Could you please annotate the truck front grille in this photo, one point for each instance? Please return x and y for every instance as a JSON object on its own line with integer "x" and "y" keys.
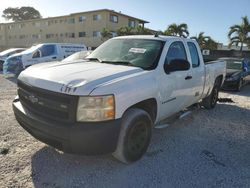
{"x": 48, "y": 104}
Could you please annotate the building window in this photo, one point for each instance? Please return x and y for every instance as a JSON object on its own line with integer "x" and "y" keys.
{"x": 10, "y": 26}
{"x": 131, "y": 23}
{"x": 61, "y": 35}
{"x": 55, "y": 21}
{"x": 96, "y": 34}
{"x": 113, "y": 18}
{"x": 50, "y": 22}
{"x": 82, "y": 18}
{"x": 49, "y": 36}
{"x": 71, "y": 35}
{"x": 82, "y": 34}
{"x": 35, "y": 36}
{"x": 61, "y": 21}
{"x": 71, "y": 20}
{"x": 21, "y": 36}
{"x": 21, "y": 26}
{"x": 97, "y": 17}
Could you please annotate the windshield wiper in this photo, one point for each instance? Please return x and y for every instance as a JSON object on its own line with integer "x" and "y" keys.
{"x": 94, "y": 59}
{"x": 119, "y": 63}
{"x": 111, "y": 62}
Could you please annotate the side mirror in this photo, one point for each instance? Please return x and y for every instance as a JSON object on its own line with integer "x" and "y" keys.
{"x": 176, "y": 65}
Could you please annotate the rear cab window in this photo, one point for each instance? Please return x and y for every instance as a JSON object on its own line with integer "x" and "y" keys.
{"x": 194, "y": 54}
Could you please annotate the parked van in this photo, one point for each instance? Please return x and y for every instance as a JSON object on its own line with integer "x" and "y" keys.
{"x": 6, "y": 53}
{"x": 40, "y": 53}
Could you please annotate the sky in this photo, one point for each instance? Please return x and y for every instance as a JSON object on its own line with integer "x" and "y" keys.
{"x": 214, "y": 17}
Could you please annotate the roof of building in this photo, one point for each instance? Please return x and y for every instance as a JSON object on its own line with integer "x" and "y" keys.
{"x": 112, "y": 11}
{"x": 72, "y": 14}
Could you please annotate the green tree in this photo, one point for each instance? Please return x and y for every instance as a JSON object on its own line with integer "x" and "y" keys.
{"x": 177, "y": 30}
{"x": 20, "y": 14}
{"x": 239, "y": 34}
{"x": 142, "y": 31}
{"x": 205, "y": 42}
{"x": 106, "y": 34}
{"x": 125, "y": 31}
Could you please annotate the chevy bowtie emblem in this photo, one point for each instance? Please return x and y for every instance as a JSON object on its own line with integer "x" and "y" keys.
{"x": 33, "y": 99}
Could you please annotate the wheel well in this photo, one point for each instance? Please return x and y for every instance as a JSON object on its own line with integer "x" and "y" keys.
{"x": 149, "y": 105}
{"x": 218, "y": 80}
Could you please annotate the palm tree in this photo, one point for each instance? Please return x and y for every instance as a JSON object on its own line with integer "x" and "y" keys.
{"x": 239, "y": 34}
{"x": 106, "y": 34}
{"x": 202, "y": 40}
{"x": 211, "y": 44}
{"x": 177, "y": 30}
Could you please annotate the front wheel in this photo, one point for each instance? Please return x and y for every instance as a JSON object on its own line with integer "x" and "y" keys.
{"x": 211, "y": 101}
{"x": 135, "y": 135}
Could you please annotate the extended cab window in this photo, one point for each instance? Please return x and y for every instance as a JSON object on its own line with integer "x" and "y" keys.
{"x": 194, "y": 54}
{"x": 176, "y": 51}
{"x": 48, "y": 50}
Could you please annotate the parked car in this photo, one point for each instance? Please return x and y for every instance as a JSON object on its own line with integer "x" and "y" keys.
{"x": 110, "y": 103}
{"x": 40, "y": 53}
{"x": 238, "y": 73}
{"x": 5, "y": 54}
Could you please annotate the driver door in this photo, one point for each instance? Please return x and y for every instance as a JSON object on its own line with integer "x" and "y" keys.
{"x": 175, "y": 86}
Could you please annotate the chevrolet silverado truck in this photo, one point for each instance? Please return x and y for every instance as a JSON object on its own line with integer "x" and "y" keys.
{"x": 111, "y": 102}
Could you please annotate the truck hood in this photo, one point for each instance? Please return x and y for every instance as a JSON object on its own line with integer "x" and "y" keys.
{"x": 74, "y": 78}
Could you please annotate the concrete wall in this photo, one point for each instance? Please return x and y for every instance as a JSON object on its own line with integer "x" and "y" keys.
{"x": 215, "y": 54}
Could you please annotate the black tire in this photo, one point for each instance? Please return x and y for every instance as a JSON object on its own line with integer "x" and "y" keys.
{"x": 211, "y": 101}
{"x": 239, "y": 85}
{"x": 135, "y": 136}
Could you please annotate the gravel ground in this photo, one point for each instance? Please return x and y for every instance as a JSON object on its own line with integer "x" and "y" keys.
{"x": 206, "y": 149}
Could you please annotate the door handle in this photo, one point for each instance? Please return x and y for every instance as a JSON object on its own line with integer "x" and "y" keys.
{"x": 188, "y": 77}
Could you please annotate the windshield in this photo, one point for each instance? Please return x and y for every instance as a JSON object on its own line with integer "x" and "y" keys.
{"x": 143, "y": 53}
{"x": 32, "y": 49}
{"x": 237, "y": 65}
{"x": 7, "y": 51}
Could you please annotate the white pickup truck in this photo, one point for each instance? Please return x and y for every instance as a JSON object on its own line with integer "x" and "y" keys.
{"x": 110, "y": 103}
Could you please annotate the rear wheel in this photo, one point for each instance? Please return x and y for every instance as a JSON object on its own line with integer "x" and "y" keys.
{"x": 211, "y": 101}
{"x": 135, "y": 135}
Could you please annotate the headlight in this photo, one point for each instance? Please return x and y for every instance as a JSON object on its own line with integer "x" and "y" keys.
{"x": 96, "y": 108}
{"x": 13, "y": 65}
